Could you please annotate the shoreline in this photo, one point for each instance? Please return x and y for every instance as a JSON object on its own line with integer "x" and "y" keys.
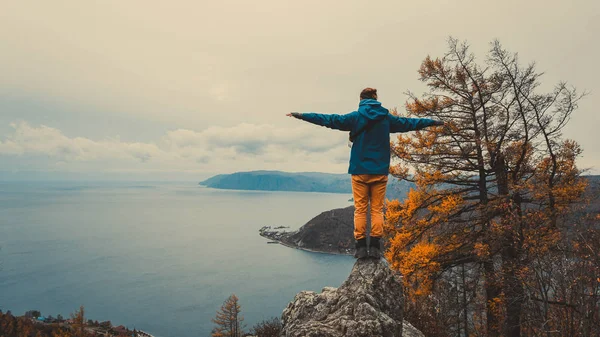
{"x": 269, "y": 191}
{"x": 104, "y": 328}
{"x": 289, "y": 245}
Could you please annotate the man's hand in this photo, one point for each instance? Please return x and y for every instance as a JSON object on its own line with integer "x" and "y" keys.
{"x": 438, "y": 123}
{"x": 293, "y": 114}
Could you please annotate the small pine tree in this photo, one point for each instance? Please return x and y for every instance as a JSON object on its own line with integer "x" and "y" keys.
{"x": 228, "y": 320}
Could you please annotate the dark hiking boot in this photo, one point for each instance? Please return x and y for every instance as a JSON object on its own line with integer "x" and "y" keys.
{"x": 361, "y": 249}
{"x": 375, "y": 248}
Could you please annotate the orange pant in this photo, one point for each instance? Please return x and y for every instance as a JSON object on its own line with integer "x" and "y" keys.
{"x": 368, "y": 188}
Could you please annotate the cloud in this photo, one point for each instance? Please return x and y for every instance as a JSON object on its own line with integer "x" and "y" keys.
{"x": 139, "y": 72}
{"x": 241, "y": 147}
{"x": 27, "y": 140}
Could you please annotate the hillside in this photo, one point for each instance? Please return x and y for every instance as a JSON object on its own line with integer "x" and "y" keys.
{"x": 332, "y": 231}
{"x": 329, "y": 232}
{"x": 34, "y": 324}
{"x": 296, "y": 182}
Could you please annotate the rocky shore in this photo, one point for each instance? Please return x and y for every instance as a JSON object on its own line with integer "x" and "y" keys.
{"x": 330, "y": 232}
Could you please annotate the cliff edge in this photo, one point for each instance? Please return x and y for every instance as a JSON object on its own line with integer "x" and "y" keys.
{"x": 329, "y": 232}
{"x": 367, "y": 304}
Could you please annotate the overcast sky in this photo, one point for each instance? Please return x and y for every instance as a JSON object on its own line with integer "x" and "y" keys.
{"x": 192, "y": 88}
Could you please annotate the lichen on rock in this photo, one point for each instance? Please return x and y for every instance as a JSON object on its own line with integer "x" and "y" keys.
{"x": 367, "y": 304}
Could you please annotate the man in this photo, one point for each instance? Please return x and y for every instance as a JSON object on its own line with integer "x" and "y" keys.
{"x": 370, "y": 127}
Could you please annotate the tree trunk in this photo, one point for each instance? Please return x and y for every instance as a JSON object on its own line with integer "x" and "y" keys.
{"x": 511, "y": 252}
{"x": 492, "y": 291}
{"x": 513, "y": 290}
{"x": 465, "y": 309}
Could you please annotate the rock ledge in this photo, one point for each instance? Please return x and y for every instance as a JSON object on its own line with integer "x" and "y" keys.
{"x": 367, "y": 304}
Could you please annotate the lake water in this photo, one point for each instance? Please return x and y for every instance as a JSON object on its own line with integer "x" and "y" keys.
{"x": 161, "y": 257}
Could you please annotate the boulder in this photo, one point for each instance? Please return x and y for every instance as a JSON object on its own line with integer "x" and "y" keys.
{"x": 367, "y": 304}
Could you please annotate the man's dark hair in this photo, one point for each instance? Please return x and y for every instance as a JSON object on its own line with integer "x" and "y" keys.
{"x": 368, "y": 93}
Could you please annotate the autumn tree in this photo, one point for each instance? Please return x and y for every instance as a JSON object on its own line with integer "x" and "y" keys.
{"x": 565, "y": 289}
{"x": 228, "y": 321}
{"x": 492, "y": 187}
{"x": 78, "y": 318}
{"x": 12, "y": 326}
{"x": 61, "y": 333}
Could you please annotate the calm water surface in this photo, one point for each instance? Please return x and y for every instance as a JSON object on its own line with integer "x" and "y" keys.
{"x": 161, "y": 257}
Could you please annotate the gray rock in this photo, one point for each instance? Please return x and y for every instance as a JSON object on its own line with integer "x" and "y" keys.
{"x": 367, "y": 304}
{"x": 331, "y": 231}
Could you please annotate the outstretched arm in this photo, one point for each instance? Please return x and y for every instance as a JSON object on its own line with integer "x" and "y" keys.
{"x": 332, "y": 121}
{"x": 403, "y": 124}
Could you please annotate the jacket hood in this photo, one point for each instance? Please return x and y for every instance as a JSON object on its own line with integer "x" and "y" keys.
{"x": 372, "y": 109}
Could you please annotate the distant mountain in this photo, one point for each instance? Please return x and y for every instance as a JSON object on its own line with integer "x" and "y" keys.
{"x": 297, "y": 182}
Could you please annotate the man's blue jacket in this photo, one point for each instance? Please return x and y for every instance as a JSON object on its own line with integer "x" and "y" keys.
{"x": 370, "y": 152}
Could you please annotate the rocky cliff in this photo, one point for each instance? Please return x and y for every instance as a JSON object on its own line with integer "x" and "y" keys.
{"x": 367, "y": 304}
{"x": 329, "y": 232}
